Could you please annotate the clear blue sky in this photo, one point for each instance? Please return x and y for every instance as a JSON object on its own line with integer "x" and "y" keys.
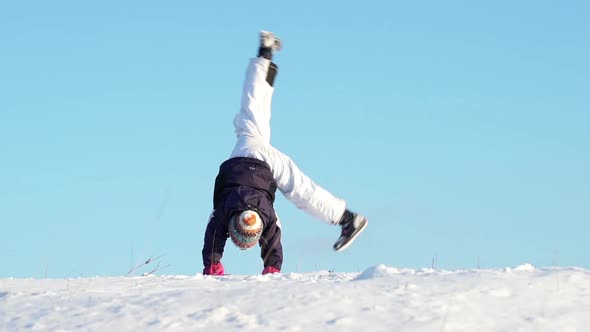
{"x": 460, "y": 128}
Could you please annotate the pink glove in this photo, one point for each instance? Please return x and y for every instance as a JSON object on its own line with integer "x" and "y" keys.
{"x": 215, "y": 269}
{"x": 270, "y": 269}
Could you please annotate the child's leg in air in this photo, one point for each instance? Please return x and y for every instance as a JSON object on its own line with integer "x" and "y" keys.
{"x": 252, "y": 126}
{"x": 253, "y": 120}
{"x": 300, "y": 189}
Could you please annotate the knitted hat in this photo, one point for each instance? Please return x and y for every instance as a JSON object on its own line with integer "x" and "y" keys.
{"x": 245, "y": 229}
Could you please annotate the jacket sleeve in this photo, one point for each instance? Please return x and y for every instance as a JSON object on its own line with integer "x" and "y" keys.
{"x": 271, "y": 249}
{"x": 215, "y": 237}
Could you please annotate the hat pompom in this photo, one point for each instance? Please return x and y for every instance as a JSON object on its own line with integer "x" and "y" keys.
{"x": 245, "y": 229}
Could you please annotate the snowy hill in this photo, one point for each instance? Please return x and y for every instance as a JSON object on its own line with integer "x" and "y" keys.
{"x": 379, "y": 299}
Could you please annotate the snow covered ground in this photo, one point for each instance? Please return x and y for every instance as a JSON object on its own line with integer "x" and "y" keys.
{"x": 379, "y": 299}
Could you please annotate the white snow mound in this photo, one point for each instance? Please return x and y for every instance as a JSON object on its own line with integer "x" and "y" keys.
{"x": 378, "y": 271}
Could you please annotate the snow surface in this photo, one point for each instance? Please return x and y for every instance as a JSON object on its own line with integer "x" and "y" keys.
{"x": 381, "y": 298}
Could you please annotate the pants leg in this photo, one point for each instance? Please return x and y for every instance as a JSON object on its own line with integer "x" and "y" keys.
{"x": 252, "y": 126}
{"x": 299, "y": 188}
{"x": 253, "y": 120}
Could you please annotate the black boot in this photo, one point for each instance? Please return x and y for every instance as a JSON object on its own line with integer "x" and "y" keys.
{"x": 352, "y": 225}
{"x": 269, "y": 43}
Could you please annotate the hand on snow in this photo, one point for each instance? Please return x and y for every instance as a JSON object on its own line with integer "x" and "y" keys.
{"x": 215, "y": 269}
{"x": 270, "y": 269}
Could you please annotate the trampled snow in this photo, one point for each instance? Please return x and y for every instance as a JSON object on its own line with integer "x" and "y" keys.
{"x": 381, "y": 298}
